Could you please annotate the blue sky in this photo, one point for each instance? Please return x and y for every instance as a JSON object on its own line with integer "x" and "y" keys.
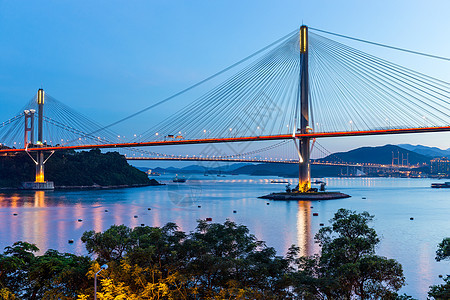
{"x": 108, "y": 59}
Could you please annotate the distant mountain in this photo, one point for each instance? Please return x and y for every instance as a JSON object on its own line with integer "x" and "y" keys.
{"x": 194, "y": 168}
{"x": 427, "y": 151}
{"x": 269, "y": 169}
{"x": 200, "y": 168}
{"x": 377, "y": 155}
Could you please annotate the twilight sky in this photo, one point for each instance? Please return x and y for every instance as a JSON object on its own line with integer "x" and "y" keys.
{"x": 108, "y": 59}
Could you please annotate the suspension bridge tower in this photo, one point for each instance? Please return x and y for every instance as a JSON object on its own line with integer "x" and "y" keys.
{"x": 304, "y": 180}
{"x": 40, "y": 183}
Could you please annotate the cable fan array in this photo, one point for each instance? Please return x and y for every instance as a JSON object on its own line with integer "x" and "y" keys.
{"x": 259, "y": 99}
{"x": 349, "y": 90}
{"x": 353, "y": 91}
{"x": 61, "y": 126}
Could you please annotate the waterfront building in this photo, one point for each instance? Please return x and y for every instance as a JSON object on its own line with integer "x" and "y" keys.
{"x": 440, "y": 166}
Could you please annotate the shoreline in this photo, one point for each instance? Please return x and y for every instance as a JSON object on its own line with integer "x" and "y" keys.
{"x": 88, "y": 187}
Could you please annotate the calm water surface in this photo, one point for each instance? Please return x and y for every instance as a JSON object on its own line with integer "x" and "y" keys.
{"x": 50, "y": 219}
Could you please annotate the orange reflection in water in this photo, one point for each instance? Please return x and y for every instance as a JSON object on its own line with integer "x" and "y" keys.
{"x": 35, "y": 227}
{"x": 39, "y": 199}
{"x": 11, "y": 201}
{"x": 304, "y": 235}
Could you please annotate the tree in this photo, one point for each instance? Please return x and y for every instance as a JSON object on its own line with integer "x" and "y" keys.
{"x": 110, "y": 245}
{"x": 15, "y": 263}
{"x": 443, "y": 251}
{"x": 215, "y": 261}
{"x": 347, "y": 266}
{"x": 225, "y": 259}
{"x": 124, "y": 281}
{"x": 56, "y": 275}
{"x": 442, "y": 291}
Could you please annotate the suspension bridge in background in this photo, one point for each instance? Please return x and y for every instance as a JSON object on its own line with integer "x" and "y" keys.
{"x": 302, "y": 87}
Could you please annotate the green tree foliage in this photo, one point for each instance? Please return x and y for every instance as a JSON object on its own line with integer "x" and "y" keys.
{"x": 53, "y": 275}
{"x": 443, "y": 251}
{"x": 442, "y": 291}
{"x": 15, "y": 263}
{"x": 70, "y": 168}
{"x": 348, "y": 267}
{"x": 215, "y": 261}
{"x": 227, "y": 257}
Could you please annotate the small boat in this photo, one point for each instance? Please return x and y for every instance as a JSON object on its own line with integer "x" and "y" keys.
{"x": 151, "y": 173}
{"x": 444, "y": 185}
{"x": 279, "y": 181}
{"x": 179, "y": 179}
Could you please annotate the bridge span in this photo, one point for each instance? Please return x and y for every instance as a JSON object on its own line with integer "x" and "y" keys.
{"x": 271, "y": 161}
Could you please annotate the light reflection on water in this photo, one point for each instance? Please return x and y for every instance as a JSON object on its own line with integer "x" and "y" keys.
{"x": 50, "y": 219}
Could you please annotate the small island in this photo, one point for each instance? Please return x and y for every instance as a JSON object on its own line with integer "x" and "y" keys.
{"x": 70, "y": 169}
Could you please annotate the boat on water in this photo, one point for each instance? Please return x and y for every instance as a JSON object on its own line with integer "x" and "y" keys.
{"x": 151, "y": 173}
{"x": 444, "y": 185}
{"x": 279, "y": 181}
{"x": 179, "y": 179}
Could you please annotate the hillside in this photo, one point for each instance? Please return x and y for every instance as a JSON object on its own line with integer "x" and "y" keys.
{"x": 427, "y": 151}
{"x": 377, "y": 155}
{"x": 70, "y": 168}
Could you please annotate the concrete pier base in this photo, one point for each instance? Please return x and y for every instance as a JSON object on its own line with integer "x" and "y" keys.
{"x": 305, "y": 196}
{"x": 31, "y": 185}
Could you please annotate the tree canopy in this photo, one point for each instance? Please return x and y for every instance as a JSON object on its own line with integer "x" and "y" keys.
{"x": 442, "y": 291}
{"x": 215, "y": 261}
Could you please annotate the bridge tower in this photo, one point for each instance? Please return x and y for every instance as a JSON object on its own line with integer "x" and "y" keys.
{"x": 39, "y": 183}
{"x": 304, "y": 180}
{"x": 40, "y": 154}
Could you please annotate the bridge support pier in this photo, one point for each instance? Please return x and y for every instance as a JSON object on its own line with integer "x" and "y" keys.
{"x": 304, "y": 172}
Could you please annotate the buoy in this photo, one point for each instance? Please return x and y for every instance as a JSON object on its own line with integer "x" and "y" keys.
{"x": 80, "y": 220}
{"x": 321, "y": 224}
{"x": 106, "y": 210}
{"x": 135, "y": 217}
{"x": 14, "y": 214}
{"x": 70, "y": 241}
{"x": 315, "y": 214}
{"x": 208, "y": 219}
{"x": 234, "y": 211}
{"x": 411, "y": 218}
{"x": 149, "y": 208}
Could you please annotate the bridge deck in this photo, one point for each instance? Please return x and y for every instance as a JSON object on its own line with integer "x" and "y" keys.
{"x": 237, "y": 139}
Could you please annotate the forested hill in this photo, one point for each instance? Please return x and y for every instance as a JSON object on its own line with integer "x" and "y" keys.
{"x": 377, "y": 155}
{"x": 70, "y": 168}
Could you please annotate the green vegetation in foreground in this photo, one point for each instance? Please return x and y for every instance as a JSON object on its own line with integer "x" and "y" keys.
{"x": 442, "y": 291}
{"x": 70, "y": 168}
{"x": 216, "y": 261}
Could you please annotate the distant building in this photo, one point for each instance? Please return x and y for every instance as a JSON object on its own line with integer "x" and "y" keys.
{"x": 440, "y": 166}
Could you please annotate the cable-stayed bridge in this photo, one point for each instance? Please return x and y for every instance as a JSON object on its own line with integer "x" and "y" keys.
{"x": 302, "y": 87}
